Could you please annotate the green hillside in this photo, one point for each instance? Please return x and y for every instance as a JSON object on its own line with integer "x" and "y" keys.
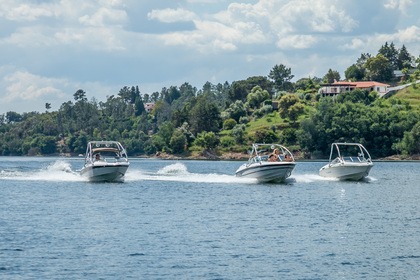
{"x": 410, "y": 94}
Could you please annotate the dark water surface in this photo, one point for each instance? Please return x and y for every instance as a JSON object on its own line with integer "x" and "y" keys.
{"x": 196, "y": 220}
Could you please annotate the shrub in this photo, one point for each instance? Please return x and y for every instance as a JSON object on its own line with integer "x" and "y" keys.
{"x": 229, "y": 124}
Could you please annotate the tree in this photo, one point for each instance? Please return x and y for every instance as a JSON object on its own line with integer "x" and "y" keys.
{"x": 205, "y": 115}
{"x": 379, "y": 68}
{"x": 12, "y": 117}
{"x": 158, "y": 143}
{"x": 171, "y": 94}
{"x": 307, "y": 84}
{"x": 285, "y": 103}
{"x": 165, "y": 132}
{"x": 391, "y": 53}
{"x": 125, "y": 94}
{"x": 80, "y": 95}
{"x": 238, "y": 133}
{"x": 222, "y": 95}
{"x": 154, "y": 97}
{"x": 417, "y": 61}
{"x": 404, "y": 59}
{"x": 146, "y": 98}
{"x": 295, "y": 111}
{"x": 229, "y": 124}
{"x": 361, "y": 61}
{"x": 235, "y": 111}
{"x": 410, "y": 143}
{"x": 240, "y": 89}
{"x": 354, "y": 73}
{"x": 162, "y": 112}
{"x": 357, "y": 96}
{"x": 208, "y": 140}
{"x": 265, "y": 136}
{"x": 257, "y": 96}
{"x": 331, "y": 76}
{"x": 78, "y": 142}
{"x": 187, "y": 91}
{"x": 281, "y": 76}
{"x": 138, "y": 106}
{"x": 178, "y": 141}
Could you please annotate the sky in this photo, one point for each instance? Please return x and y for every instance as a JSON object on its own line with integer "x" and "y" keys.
{"x": 51, "y": 49}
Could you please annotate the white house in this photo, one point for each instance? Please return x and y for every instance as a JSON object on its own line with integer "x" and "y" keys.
{"x": 343, "y": 86}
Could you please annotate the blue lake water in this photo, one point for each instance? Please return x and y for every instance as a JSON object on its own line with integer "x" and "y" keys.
{"x": 196, "y": 220}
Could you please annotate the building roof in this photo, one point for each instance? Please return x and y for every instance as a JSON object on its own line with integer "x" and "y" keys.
{"x": 366, "y": 84}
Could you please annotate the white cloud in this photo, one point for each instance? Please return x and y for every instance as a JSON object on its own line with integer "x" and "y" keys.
{"x": 21, "y": 11}
{"x": 286, "y": 24}
{"x": 409, "y": 35}
{"x": 205, "y": 1}
{"x": 24, "y": 86}
{"x": 296, "y": 41}
{"x": 322, "y": 16}
{"x": 104, "y": 17}
{"x": 355, "y": 44}
{"x": 172, "y": 15}
{"x": 25, "y": 92}
{"x": 78, "y": 24}
{"x": 30, "y": 37}
{"x": 95, "y": 38}
{"x": 402, "y": 5}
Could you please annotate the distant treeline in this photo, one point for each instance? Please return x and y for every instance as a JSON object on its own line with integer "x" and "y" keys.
{"x": 228, "y": 117}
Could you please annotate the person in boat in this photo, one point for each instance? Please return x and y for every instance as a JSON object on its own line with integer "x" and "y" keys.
{"x": 97, "y": 157}
{"x": 287, "y": 158}
{"x": 274, "y": 156}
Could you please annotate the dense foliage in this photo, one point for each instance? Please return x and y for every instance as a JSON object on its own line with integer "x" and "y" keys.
{"x": 228, "y": 117}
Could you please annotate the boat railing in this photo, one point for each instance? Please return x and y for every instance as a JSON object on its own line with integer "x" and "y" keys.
{"x": 348, "y": 158}
{"x": 355, "y": 159}
{"x": 344, "y": 159}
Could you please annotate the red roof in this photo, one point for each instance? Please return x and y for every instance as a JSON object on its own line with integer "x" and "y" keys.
{"x": 367, "y": 84}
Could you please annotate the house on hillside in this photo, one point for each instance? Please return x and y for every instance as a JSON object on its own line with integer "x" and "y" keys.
{"x": 149, "y": 107}
{"x": 343, "y": 86}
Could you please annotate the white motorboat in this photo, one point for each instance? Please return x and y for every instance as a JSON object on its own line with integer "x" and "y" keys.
{"x": 105, "y": 161}
{"x": 268, "y": 163}
{"x": 348, "y": 161}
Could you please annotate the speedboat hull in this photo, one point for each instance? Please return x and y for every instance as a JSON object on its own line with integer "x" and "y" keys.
{"x": 267, "y": 171}
{"x": 105, "y": 172}
{"x": 347, "y": 171}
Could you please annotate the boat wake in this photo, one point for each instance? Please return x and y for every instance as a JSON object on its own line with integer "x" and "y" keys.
{"x": 310, "y": 178}
{"x": 178, "y": 172}
{"x": 62, "y": 171}
{"x": 57, "y": 171}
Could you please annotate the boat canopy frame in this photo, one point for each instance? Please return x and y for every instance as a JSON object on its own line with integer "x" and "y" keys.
{"x": 260, "y": 152}
{"x": 342, "y": 157}
{"x": 95, "y": 147}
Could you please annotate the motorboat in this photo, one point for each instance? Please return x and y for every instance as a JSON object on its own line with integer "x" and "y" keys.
{"x": 268, "y": 163}
{"x": 105, "y": 161}
{"x": 348, "y": 161}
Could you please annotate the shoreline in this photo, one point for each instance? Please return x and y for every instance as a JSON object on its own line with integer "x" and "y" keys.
{"x": 225, "y": 157}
